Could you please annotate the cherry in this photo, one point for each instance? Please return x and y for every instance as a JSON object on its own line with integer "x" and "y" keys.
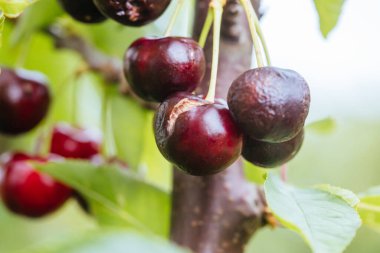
{"x": 72, "y": 142}
{"x": 197, "y": 136}
{"x": 24, "y": 100}
{"x": 270, "y": 104}
{"x": 27, "y": 192}
{"x": 132, "y": 12}
{"x": 270, "y": 155}
{"x": 158, "y": 67}
{"x": 83, "y": 10}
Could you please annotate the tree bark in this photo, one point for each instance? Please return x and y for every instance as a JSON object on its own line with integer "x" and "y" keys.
{"x": 220, "y": 213}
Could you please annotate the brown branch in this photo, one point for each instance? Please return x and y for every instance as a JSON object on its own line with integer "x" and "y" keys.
{"x": 219, "y": 214}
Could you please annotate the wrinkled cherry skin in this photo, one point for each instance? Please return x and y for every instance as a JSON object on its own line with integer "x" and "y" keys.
{"x": 159, "y": 67}
{"x": 28, "y": 192}
{"x": 132, "y": 12}
{"x": 202, "y": 139}
{"x": 24, "y": 100}
{"x": 83, "y": 11}
{"x": 72, "y": 142}
{"x": 270, "y": 104}
{"x": 271, "y": 155}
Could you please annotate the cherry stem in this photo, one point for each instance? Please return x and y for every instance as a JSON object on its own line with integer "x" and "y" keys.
{"x": 174, "y": 17}
{"x": 206, "y": 28}
{"x": 217, "y": 7}
{"x": 252, "y": 17}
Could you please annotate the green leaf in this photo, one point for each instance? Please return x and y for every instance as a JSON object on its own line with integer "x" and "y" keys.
{"x": 344, "y": 194}
{"x": 2, "y": 19}
{"x": 369, "y": 208}
{"x": 329, "y": 12}
{"x": 323, "y": 126}
{"x": 13, "y": 8}
{"x": 325, "y": 221}
{"x": 117, "y": 197}
{"x": 110, "y": 241}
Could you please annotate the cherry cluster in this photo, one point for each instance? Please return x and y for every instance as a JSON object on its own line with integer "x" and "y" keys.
{"x": 126, "y": 12}
{"x": 263, "y": 120}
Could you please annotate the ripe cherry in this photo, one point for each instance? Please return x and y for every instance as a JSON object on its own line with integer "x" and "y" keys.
{"x": 197, "y": 136}
{"x": 158, "y": 67}
{"x": 270, "y": 155}
{"x": 132, "y": 12}
{"x": 270, "y": 104}
{"x": 28, "y": 192}
{"x": 83, "y": 10}
{"x": 73, "y": 142}
{"x": 24, "y": 100}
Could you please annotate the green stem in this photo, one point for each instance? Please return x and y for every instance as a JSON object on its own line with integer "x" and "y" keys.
{"x": 174, "y": 17}
{"x": 206, "y": 27}
{"x": 251, "y": 14}
{"x": 262, "y": 38}
{"x": 217, "y": 8}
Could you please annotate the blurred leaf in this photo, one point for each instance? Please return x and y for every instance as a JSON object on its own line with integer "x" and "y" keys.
{"x": 152, "y": 164}
{"x": 110, "y": 241}
{"x": 344, "y": 194}
{"x": 34, "y": 18}
{"x": 369, "y": 208}
{"x": 2, "y": 19}
{"x": 323, "y": 126}
{"x": 325, "y": 221}
{"x": 117, "y": 197}
{"x": 254, "y": 174}
{"x": 329, "y": 12}
{"x": 13, "y": 8}
{"x": 128, "y": 121}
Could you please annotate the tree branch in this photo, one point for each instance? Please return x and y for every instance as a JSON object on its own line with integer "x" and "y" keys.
{"x": 219, "y": 214}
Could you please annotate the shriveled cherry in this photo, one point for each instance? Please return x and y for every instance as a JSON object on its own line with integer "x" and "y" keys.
{"x": 28, "y": 192}
{"x": 270, "y": 155}
{"x": 74, "y": 142}
{"x": 132, "y": 12}
{"x": 24, "y": 100}
{"x": 199, "y": 137}
{"x": 83, "y": 10}
{"x": 158, "y": 67}
{"x": 270, "y": 104}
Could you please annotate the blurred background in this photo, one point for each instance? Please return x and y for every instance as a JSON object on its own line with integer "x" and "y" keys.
{"x": 343, "y": 72}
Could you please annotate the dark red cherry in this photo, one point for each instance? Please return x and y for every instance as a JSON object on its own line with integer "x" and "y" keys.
{"x": 158, "y": 67}
{"x": 73, "y": 142}
{"x": 270, "y": 104}
{"x": 24, "y": 100}
{"x": 132, "y": 12}
{"x": 82, "y": 10}
{"x": 197, "y": 136}
{"x": 28, "y": 192}
{"x": 270, "y": 155}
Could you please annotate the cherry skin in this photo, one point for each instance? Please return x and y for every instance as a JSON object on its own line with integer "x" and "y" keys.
{"x": 72, "y": 142}
{"x": 199, "y": 137}
{"x": 132, "y": 12}
{"x": 83, "y": 11}
{"x": 28, "y": 192}
{"x": 158, "y": 67}
{"x": 271, "y": 155}
{"x": 270, "y": 104}
{"x": 24, "y": 100}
